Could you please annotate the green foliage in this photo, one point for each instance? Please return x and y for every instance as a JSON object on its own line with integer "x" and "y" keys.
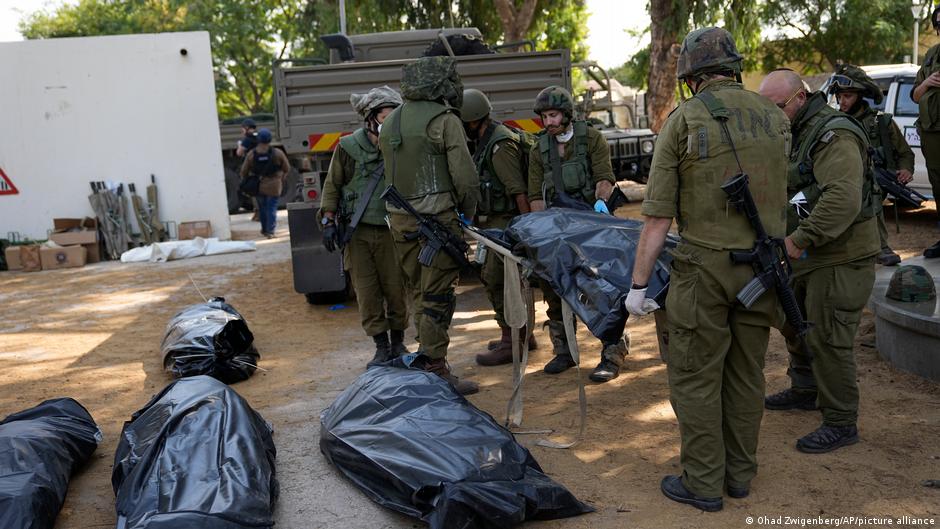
{"x": 634, "y": 72}
{"x": 247, "y": 35}
{"x": 833, "y": 31}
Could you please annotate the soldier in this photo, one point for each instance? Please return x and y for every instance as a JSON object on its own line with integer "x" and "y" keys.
{"x": 582, "y": 158}
{"x": 832, "y": 242}
{"x": 716, "y": 344}
{"x": 851, "y": 84}
{"x": 500, "y": 162}
{"x": 926, "y": 93}
{"x": 427, "y": 160}
{"x": 351, "y": 193}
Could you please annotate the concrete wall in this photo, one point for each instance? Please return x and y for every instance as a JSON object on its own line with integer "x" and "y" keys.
{"x": 109, "y": 108}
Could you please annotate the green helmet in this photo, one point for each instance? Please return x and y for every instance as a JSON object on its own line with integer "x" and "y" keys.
{"x": 708, "y": 50}
{"x": 852, "y": 78}
{"x": 476, "y": 106}
{"x": 554, "y": 98}
{"x": 911, "y": 283}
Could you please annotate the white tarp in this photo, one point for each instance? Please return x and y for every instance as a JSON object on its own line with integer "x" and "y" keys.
{"x": 169, "y": 251}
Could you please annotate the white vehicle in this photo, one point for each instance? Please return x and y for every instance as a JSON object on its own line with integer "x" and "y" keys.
{"x": 896, "y": 81}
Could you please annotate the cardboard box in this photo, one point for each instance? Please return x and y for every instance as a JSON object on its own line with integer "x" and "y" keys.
{"x": 70, "y": 232}
{"x": 30, "y": 258}
{"x": 198, "y": 228}
{"x": 62, "y": 257}
{"x": 12, "y": 255}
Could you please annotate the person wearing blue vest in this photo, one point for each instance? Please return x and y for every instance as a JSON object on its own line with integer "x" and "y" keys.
{"x": 271, "y": 166}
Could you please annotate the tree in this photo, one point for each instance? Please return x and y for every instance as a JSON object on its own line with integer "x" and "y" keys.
{"x": 833, "y": 31}
{"x": 515, "y": 21}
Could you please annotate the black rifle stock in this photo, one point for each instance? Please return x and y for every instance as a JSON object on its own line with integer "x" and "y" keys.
{"x": 888, "y": 181}
{"x": 768, "y": 257}
{"x": 437, "y": 237}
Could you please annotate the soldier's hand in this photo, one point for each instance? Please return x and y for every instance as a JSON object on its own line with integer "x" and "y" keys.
{"x": 330, "y": 237}
{"x": 934, "y": 79}
{"x": 904, "y": 176}
{"x": 793, "y": 251}
{"x": 638, "y": 304}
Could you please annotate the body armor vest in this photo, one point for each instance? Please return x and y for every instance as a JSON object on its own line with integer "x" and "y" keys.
{"x": 418, "y": 166}
{"x": 575, "y": 172}
{"x": 367, "y": 158}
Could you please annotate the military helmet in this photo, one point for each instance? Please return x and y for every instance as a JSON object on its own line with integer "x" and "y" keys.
{"x": 911, "y": 283}
{"x": 375, "y": 99}
{"x": 852, "y": 78}
{"x": 264, "y": 136}
{"x": 476, "y": 105}
{"x": 554, "y": 98}
{"x": 708, "y": 50}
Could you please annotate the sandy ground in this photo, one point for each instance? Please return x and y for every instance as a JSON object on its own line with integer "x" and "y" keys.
{"x": 94, "y": 333}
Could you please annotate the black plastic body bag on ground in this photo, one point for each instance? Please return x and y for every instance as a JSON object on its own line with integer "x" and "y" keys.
{"x": 39, "y": 449}
{"x": 195, "y": 457}
{"x": 412, "y": 444}
{"x": 209, "y": 339}
{"x": 587, "y": 258}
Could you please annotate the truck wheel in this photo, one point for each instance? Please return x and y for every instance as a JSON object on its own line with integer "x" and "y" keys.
{"x": 231, "y": 191}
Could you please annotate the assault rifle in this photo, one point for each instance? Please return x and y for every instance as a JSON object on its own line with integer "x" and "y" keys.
{"x": 436, "y": 236}
{"x": 888, "y": 181}
{"x": 768, "y": 257}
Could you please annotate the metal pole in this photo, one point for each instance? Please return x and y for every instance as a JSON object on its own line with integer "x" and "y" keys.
{"x": 916, "y": 38}
{"x": 342, "y": 17}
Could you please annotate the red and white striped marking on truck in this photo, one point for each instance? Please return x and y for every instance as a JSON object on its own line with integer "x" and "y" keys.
{"x": 327, "y": 142}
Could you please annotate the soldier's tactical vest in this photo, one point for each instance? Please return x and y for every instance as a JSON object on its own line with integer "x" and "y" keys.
{"x": 575, "y": 172}
{"x": 264, "y": 164}
{"x": 494, "y": 199}
{"x": 820, "y": 128}
{"x": 418, "y": 166}
{"x": 367, "y": 158}
{"x": 877, "y": 125}
{"x": 760, "y": 135}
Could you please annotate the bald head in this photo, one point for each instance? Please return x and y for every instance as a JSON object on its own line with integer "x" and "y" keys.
{"x": 786, "y": 89}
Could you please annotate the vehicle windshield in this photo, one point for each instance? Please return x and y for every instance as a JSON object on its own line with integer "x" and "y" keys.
{"x": 905, "y": 105}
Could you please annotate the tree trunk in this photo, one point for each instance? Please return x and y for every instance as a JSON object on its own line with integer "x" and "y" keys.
{"x": 664, "y": 52}
{"x": 515, "y": 21}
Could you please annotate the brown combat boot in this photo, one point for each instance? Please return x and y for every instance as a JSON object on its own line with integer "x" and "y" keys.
{"x": 499, "y": 355}
{"x": 439, "y": 367}
{"x": 533, "y": 345}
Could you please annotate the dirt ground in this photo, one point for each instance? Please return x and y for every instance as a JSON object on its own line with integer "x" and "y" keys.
{"x": 94, "y": 334}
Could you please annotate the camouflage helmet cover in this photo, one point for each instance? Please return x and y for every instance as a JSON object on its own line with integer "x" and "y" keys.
{"x": 554, "y": 98}
{"x": 911, "y": 283}
{"x": 374, "y": 99}
{"x": 432, "y": 79}
{"x": 476, "y": 105}
{"x": 852, "y": 78}
{"x": 708, "y": 50}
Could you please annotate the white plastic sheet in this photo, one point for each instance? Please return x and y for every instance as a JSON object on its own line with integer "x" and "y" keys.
{"x": 173, "y": 250}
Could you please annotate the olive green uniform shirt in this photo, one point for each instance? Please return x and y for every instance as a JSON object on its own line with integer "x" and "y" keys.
{"x": 929, "y": 104}
{"x": 903, "y": 155}
{"x": 341, "y": 171}
{"x": 598, "y": 152}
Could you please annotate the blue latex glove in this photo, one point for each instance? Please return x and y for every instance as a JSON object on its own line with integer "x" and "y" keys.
{"x": 464, "y": 220}
{"x": 601, "y": 207}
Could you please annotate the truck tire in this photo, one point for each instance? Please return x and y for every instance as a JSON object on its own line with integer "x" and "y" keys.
{"x": 231, "y": 191}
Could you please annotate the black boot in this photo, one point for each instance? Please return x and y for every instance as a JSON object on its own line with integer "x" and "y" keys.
{"x": 887, "y": 257}
{"x": 827, "y": 438}
{"x": 933, "y": 251}
{"x": 382, "y": 349}
{"x": 790, "y": 399}
{"x": 563, "y": 360}
{"x": 673, "y": 489}
{"x": 398, "y": 344}
{"x": 611, "y": 361}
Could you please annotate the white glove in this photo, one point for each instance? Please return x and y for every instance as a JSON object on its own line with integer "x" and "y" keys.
{"x": 638, "y": 304}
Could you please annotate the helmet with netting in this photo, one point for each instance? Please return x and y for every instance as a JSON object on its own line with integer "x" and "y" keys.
{"x": 554, "y": 98}
{"x": 911, "y": 283}
{"x": 849, "y": 78}
{"x": 708, "y": 50}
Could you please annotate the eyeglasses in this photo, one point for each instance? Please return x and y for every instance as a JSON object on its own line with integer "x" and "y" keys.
{"x": 783, "y": 105}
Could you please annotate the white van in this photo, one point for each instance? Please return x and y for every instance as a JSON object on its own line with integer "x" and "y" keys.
{"x": 896, "y": 81}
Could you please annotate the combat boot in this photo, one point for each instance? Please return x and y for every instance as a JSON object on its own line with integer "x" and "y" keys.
{"x": 887, "y": 257}
{"x": 933, "y": 251}
{"x": 673, "y": 489}
{"x": 501, "y": 354}
{"x": 439, "y": 367}
{"x": 611, "y": 361}
{"x": 827, "y": 438}
{"x": 533, "y": 345}
{"x": 563, "y": 360}
{"x": 382, "y": 349}
{"x": 398, "y": 344}
{"x": 790, "y": 399}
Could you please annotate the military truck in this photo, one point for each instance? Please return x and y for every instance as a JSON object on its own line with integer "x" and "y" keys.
{"x": 313, "y": 112}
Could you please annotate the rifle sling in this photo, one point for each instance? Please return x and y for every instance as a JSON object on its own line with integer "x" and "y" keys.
{"x": 365, "y": 198}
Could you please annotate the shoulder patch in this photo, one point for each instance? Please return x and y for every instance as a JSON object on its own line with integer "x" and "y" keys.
{"x": 827, "y": 137}
{"x": 496, "y": 148}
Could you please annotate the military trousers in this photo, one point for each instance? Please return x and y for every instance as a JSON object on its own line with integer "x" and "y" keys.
{"x": 930, "y": 146}
{"x": 434, "y": 286}
{"x": 832, "y": 298}
{"x": 715, "y": 367}
{"x": 883, "y": 231}
{"x": 377, "y": 279}
{"x": 492, "y": 271}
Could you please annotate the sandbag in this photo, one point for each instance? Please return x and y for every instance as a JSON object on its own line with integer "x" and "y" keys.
{"x": 209, "y": 339}
{"x": 39, "y": 449}
{"x": 587, "y": 258}
{"x": 195, "y": 457}
{"x": 413, "y": 444}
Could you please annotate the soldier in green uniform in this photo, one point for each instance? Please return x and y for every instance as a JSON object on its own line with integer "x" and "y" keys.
{"x": 926, "y": 93}
{"x": 427, "y": 160}
{"x": 500, "y": 162}
{"x": 851, "y": 84}
{"x": 379, "y": 286}
{"x": 832, "y": 243}
{"x": 716, "y": 344}
{"x": 582, "y": 158}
